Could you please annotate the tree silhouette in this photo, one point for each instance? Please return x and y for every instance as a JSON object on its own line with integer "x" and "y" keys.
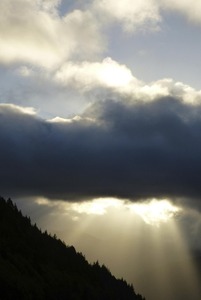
{"x": 35, "y": 265}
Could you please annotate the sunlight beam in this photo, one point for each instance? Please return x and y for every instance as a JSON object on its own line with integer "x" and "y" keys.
{"x": 155, "y": 212}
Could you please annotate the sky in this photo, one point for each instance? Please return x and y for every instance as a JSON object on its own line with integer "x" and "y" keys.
{"x": 100, "y": 105}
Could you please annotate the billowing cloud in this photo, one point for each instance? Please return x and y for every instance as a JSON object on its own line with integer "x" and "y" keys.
{"x": 71, "y": 88}
{"x": 116, "y": 80}
{"x": 143, "y": 142}
{"x": 7, "y": 108}
{"x": 116, "y": 149}
{"x": 88, "y": 75}
{"x": 34, "y": 32}
{"x": 131, "y": 14}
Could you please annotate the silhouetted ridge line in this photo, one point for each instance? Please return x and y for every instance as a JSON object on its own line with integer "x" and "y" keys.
{"x": 34, "y": 265}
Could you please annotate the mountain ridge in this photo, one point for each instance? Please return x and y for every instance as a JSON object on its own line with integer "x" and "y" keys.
{"x": 38, "y": 266}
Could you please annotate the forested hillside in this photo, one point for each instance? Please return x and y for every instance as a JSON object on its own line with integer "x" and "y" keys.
{"x": 35, "y": 265}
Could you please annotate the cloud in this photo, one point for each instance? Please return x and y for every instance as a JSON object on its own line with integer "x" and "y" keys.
{"x": 86, "y": 34}
{"x": 15, "y": 109}
{"x": 144, "y": 15}
{"x": 111, "y": 79}
{"x": 88, "y": 75}
{"x": 188, "y": 8}
{"x": 28, "y": 86}
{"x": 37, "y": 33}
{"x": 34, "y": 32}
{"x": 116, "y": 149}
{"x": 71, "y": 88}
{"x": 131, "y": 15}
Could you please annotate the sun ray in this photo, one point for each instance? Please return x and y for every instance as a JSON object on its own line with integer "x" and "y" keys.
{"x": 167, "y": 253}
{"x": 155, "y": 212}
{"x": 139, "y": 241}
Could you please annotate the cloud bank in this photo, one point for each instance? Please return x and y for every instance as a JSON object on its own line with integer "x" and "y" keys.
{"x": 134, "y": 140}
{"x": 115, "y": 149}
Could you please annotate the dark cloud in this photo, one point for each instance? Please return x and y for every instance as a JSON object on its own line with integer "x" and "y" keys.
{"x": 132, "y": 151}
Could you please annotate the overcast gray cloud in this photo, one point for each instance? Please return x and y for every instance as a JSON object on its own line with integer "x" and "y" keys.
{"x": 115, "y": 149}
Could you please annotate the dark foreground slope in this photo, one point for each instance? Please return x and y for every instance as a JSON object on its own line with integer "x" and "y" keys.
{"x": 34, "y": 265}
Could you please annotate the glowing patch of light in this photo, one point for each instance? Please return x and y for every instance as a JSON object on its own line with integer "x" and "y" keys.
{"x": 43, "y": 201}
{"x": 16, "y": 108}
{"x": 113, "y": 74}
{"x": 96, "y": 207}
{"x": 155, "y": 211}
{"x": 74, "y": 119}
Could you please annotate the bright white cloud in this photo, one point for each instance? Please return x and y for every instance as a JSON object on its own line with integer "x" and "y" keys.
{"x": 88, "y": 75}
{"x": 28, "y": 33}
{"x": 117, "y": 80}
{"x": 33, "y": 32}
{"x": 71, "y": 120}
{"x": 85, "y": 32}
{"x": 4, "y": 107}
{"x": 145, "y": 14}
{"x": 98, "y": 206}
{"x": 131, "y": 14}
{"x": 168, "y": 87}
{"x": 155, "y": 212}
